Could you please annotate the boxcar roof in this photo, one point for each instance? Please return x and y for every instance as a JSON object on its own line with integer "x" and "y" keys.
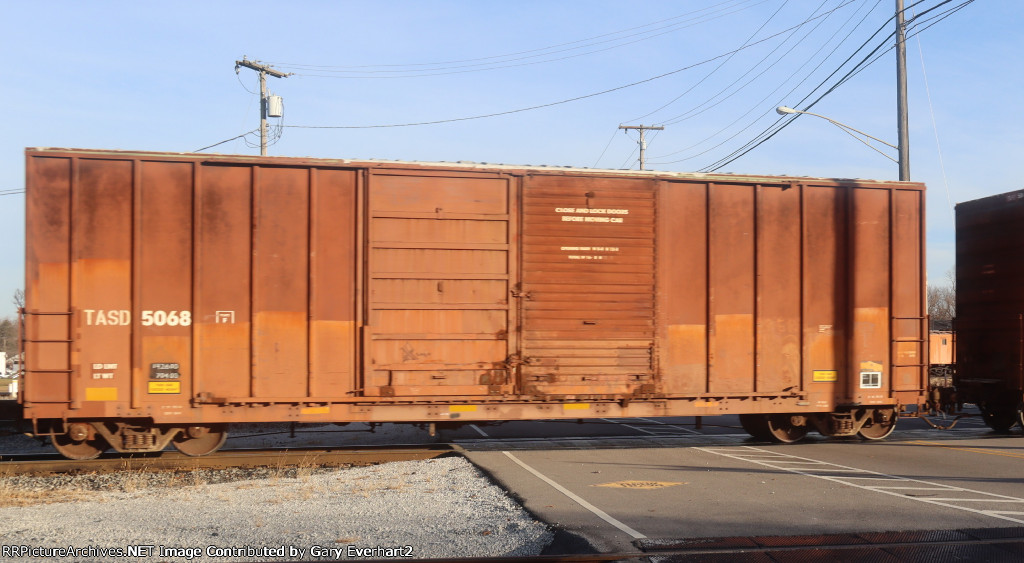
{"x": 466, "y": 166}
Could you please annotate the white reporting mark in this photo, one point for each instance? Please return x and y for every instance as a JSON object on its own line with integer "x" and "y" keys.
{"x": 579, "y": 500}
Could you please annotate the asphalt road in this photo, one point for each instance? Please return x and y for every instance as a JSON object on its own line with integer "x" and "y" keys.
{"x": 614, "y": 482}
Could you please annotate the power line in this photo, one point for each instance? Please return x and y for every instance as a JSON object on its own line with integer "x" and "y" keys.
{"x": 695, "y": 111}
{"x": 720, "y": 65}
{"x": 762, "y": 102}
{"x": 718, "y": 164}
{"x": 227, "y": 140}
{"x": 577, "y": 98}
{"x": 502, "y": 61}
{"x": 782, "y": 123}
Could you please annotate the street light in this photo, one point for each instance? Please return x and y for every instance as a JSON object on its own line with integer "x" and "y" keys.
{"x": 783, "y": 110}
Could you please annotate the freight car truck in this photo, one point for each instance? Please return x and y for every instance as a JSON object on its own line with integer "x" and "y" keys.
{"x": 168, "y": 295}
{"x": 990, "y": 308}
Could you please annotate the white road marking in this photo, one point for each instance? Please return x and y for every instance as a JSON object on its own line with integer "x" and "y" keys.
{"x": 579, "y": 500}
{"x": 481, "y": 432}
{"x": 752, "y": 454}
{"x": 667, "y": 425}
{"x": 674, "y": 429}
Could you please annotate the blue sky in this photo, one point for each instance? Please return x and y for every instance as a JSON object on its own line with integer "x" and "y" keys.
{"x": 161, "y": 77}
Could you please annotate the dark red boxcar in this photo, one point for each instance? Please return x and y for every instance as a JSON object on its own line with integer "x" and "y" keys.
{"x": 990, "y": 307}
{"x": 170, "y": 294}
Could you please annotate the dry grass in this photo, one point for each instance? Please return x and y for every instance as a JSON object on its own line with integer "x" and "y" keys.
{"x": 141, "y": 479}
{"x": 11, "y": 496}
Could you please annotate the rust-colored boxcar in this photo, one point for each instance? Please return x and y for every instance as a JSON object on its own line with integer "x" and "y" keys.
{"x": 990, "y": 307}
{"x": 170, "y": 294}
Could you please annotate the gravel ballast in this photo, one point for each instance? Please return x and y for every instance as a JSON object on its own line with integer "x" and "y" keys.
{"x": 438, "y": 508}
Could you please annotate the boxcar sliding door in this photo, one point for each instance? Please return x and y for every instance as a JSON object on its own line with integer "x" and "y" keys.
{"x": 439, "y": 264}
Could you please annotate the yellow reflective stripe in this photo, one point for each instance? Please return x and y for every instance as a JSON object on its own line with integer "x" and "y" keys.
{"x": 316, "y": 410}
{"x": 101, "y": 393}
{"x": 575, "y": 406}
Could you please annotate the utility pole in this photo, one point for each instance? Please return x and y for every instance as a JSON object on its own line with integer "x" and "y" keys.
{"x": 903, "y": 124}
{"x": 264, "y": 70}
{"x": 643, "y": 143}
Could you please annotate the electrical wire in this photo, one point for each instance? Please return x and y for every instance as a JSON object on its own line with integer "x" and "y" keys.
{"x": 243, "y": 84}
{"x": 761, "y": 103}
{"x": 605, "y": 148}
{"x": 720, "y": 65}
{"x": 758, "y": 139}
{"x": 782, "y": 123}
{"x": 516, "y": 53}
{"x": 574, "y": 99}
{"x": 11, "y": 192}
{"x": 226, "y": 140}
{"x": 502, "y": 61}
{"x": 696, "y": 110}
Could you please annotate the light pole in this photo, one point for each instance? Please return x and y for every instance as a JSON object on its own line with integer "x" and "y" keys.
{"x": 783, "y": 110}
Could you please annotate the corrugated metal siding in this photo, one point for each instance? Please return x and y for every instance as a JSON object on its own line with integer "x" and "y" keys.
{"x": 588, "y": 280}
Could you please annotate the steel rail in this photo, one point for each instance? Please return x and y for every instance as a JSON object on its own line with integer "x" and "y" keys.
{"x": 31, "y": 464}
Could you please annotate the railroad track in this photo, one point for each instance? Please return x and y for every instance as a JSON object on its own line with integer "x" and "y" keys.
{"x": 34, "y": 464}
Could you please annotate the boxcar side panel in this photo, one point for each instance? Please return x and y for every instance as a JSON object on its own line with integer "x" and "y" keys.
{"x": 825, "y": 292}
{"x": 731, "y": 236}
{"x": 332, "y": 332}
{"x": 223, "y": 262}
{"x": 101, "y": 274}
{"x": 682, "y": 284}
{"x": 162, "y": 347}
{"x": 910, "y": 332}
{"x": 48, "y": 320}
{"x": 869, "y": 235}
{"x": 280, "y": 282}
{"x": 779, "y": 286}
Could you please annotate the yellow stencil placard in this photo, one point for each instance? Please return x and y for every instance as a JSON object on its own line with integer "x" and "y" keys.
{"x": 101, "y": 393}
{"x": 870, "y": 366}
{"x": 825, "y": 375}
{"x": 462, "y": 408}
{"x": 164, "y": 387}
{"x": 316, "y": 410}
{"x": 575, "y": 406}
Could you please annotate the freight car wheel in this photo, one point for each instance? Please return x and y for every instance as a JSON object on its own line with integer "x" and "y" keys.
{"x": 201, "y": 440}
{"x": 81, "y": 449}
{"x": 999, "y": 420}
{"x": 787, "y": 428}
{"x": 879, "y": 425}
{"x": 756, "y": 425}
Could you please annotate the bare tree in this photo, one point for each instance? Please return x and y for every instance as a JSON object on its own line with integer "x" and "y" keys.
{"x": 942, "y": 303}
{"x": 19, "y": 298}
